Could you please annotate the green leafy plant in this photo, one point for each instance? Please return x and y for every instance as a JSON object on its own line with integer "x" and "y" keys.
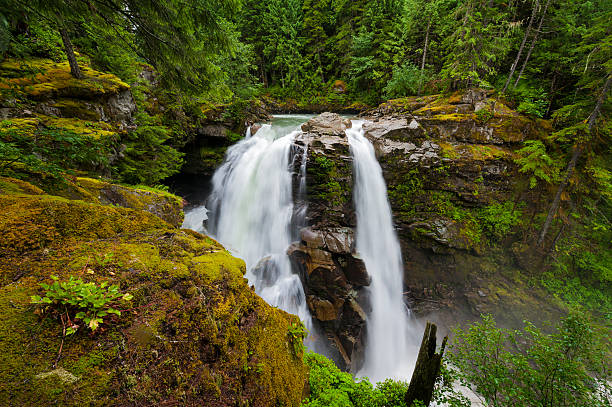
{"x": 148, "y": 158}
{"x": 407, "y": 79}
{"x": 484, "y": 115}
{"x": 522, "y": 368}
{"x": 76, "y": 299}
{"x": 499, "y": 218}
{"x": 50, "y": 150}
{"x": 534, "y": 160}
{"x": 330, "y": 387}
{"x": 297, "y": 332}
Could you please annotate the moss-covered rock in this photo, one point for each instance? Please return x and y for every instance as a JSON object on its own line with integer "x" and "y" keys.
{"x": 99, "y": 104}
{"x": 455, "y": 191}
{"x": 195, "y": 333}
{"x": 45, "y": 78}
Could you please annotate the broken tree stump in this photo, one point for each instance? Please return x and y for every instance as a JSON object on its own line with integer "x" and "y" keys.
{"x": 427, "y": 368}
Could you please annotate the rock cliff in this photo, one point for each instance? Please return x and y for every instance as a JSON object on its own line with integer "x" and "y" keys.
{"x": 459, "y": 206}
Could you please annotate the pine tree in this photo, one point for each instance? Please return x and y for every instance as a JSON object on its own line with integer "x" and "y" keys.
{"x": 479, "y": 42}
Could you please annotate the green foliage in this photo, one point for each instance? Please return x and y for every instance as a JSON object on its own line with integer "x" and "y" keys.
{"x": 532, "y": 101}
{"x": 40, "y": 40}
{"x": 49, "y": 150}
{"x": 297, "y": 333}
{"x": 576, "y": 293}
{"x": 410, "y": 187}
{"x": 324, "y": 163}
{"x": 499, "y": 218}
{"x": 330, "y": 387}
{"x": 76, "y": 299}
{"x": 566, "y": 368}
{"x": 5, "y": 34}
{"x": 234, "y": 137}
{"x": 484, "y": 115}
{"x": 407, "y": 79}
{"x": 479, "y": 42}
{"x": 534, "y": 160}
{"x": 147, "y": 158}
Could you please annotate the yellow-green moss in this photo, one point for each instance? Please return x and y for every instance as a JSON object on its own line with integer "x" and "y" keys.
{"x": 196, "y": 334}
{"x": 165, "y": 205}
{"x": 82, "y": 127}
{"x": 454, "y": 117}
{"x": 485, "y": 152}
{"x": 43, "y": 78}
{"x": 16, "y": 186}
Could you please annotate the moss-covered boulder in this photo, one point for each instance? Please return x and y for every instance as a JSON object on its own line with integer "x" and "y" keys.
{"x": 46, "y": 88}
{"x": 194, "y": 333}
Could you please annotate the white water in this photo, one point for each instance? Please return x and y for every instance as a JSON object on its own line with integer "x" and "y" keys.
{"x": 392, "y": 339}
{"x": 194, "y": 219}
{"x": 251, "y": 209}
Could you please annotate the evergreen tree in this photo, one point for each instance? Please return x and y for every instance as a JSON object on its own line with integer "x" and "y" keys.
{"x": 479, "y": 42}
{"x": 179, "y": 39}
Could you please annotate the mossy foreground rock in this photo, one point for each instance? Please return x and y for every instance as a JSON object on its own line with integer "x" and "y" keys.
{"x": 195, "y": 333}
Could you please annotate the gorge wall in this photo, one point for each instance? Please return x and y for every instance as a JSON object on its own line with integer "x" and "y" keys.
{"x": 460, "y": 208}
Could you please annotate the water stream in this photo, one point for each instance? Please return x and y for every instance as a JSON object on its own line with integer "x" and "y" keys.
{"x": 392, "y": 344}
{"x": 250, "y": 211}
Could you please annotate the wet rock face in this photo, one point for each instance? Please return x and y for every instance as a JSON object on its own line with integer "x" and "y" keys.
{"x": 332, "y": 272}
{"x": 333, "y": 275}
{"x": 327, "y": 124}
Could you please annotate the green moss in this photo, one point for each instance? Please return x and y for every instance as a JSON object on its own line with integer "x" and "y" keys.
{"x": 196, "y": 334}
{"x": 44, "y": 78}
{"x": 212, "y": 157}
{"x": 17, "y": 186}
{"x": 77, "y": 108}
{"x": 160, "y": 203}
{"x": 81, "y": 127}
{"x": 329, "y": 185}
{"x": 405, "y": 190}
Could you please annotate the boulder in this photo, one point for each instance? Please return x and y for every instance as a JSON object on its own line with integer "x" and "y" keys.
{"x": 331, "y": 124}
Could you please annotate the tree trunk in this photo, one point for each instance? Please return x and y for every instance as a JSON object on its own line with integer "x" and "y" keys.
{"x": 572, "y": 164}
{"x": 74, "y": 65}
{"x": 425, "y": 47}
{"x": 520, "y": 51}
{"x": 424, "y": 55}
{"x": 427, "y": 368}
{"x": 535, "y": 39}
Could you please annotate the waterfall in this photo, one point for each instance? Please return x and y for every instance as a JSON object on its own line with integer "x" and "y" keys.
{"x": 251, "y": 210}
{"x": 252, "y": 213}
{"x": 392, "y": 345}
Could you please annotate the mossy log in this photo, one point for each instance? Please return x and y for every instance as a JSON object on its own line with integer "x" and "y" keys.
{"x": 427, "y": 368}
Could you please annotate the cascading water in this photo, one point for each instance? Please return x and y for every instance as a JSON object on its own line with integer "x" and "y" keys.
{"x": 251, "y": 210}
{"x": 392, "y": 345}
